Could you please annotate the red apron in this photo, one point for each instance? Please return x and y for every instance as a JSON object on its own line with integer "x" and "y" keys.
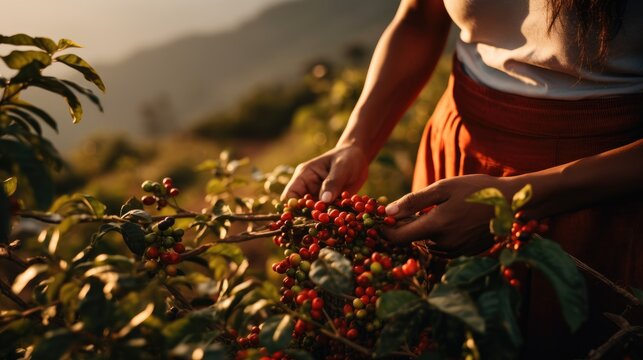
{"x": 475, "y": 129}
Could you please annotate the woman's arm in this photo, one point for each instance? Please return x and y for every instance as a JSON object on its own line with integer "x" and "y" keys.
{"x": 403, "y": 61}
{"x": 456, "y": 225}
{"x": 614, "y": 174}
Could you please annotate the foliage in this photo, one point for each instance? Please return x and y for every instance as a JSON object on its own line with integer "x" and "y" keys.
{"x": 178, "y": 285}
{"x": 156, "y": 280}
{"x": 23, "y": 149}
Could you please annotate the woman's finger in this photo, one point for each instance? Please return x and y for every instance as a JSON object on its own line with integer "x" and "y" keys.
{"x": 335, "y": 182}
{"x": 422, "y": 228}
{"x": 414, "y": 202}
{"x": 304, "y": 181}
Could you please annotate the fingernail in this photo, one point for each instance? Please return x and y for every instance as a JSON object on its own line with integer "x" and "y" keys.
{"x": 326, "y": 197}
{"x": 392, "y": 209}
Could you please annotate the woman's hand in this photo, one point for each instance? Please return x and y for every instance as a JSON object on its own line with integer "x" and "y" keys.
{"x": 339, "y": 169}
{"x": 453, "y": 227}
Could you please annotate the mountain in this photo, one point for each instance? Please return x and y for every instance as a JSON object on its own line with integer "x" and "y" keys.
{"x": 175, "y": 84}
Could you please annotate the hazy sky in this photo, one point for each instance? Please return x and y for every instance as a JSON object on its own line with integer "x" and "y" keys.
{"x": 113, "y": 29}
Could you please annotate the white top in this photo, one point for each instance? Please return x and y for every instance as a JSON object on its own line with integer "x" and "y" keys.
{"x": 504, "y": 45}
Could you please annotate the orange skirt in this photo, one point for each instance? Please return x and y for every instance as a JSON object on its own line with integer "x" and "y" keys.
{"x": 478, "y": 130}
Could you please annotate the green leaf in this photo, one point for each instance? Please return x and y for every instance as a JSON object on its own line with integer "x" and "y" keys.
{"x": 17, "y": 39}
{"x": 399, "y": 331}
{"x": 465, "y": 271}
{"x": 297, "y": 354}
{"x": 25, "y": 40}
{"x": 87, "y": 92}
{"x": 216, "y": 186}
{"x": 54, "y": 286}
{"x": 548, "y": 257}
{"x": 54, "y": 85}
{"x": 134, "y": 237}
{"x": 68, "y": 296}
{"x": 276, "y": 332}
{"x": 131, "y": 204}
{"x": 521, "y": 197}
{"x": 96, "y": 207}
{"x": 489, "y": 196}
{"x": 93, "y": 308}
{"x": 501, "y": 224}
{"x": 5, "y": 217}
{"x": 508, "y": 257}
{"x": 123, "y": 263}
{"x": 638, "y": 293}
{"x": 23, "y": 78}
{"x": 12, "y": 334}
{"x": 178, "y": 330}
{"x": 214, "y": 351}
{"x": 26, "y": 276}
{"x": 228, "y": 305}
{"x": 140, "y": 216}
{"x": 25, "y": 116}
{"x": 220, "y": 208}
{"x": 333, "y": 272}
{"x": 18, "y": 59}
{"x": 457, "y": 303}
{"x": 83, "y": 67}
{"x": 396, "y": 302}
{"x": 46, "y": 44}
{"x": 136, "y": 320}
{"x": 36, "y": 111}
{"x": 33, "y": 169}
{"x": 66, "y": 43}
{"x": 10, "y": 185}
{"x": 502, "y": 338}
{"x": 207, "y": 165}
{"x": 229, "y": 251}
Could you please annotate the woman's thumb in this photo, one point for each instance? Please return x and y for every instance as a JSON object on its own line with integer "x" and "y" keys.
{"x": 411, "y": 203}
{"x": 332, "y": 185}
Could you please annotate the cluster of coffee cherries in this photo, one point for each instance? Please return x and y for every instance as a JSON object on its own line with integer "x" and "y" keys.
{"x": 252, "y": 341}
{"x": 160, "y": 192}
{"x": 351, "y": 226}
{"x": 522, "y": 230}
{"x": 164, "y": 247}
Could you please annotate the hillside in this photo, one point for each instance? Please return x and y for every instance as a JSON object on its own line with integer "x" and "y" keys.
{"x": 182, "y": 80}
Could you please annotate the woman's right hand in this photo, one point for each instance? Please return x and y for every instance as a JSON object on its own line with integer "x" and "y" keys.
{"x": 339, "y": 169}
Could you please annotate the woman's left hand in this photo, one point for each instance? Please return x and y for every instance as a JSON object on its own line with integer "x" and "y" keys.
{"x": 453, "y": 227}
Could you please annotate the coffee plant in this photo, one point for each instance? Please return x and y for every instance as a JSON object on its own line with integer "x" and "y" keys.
{"x": 157, "y": 280}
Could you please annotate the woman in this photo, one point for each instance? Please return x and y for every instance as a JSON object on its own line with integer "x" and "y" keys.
{"x": 543, "y": 92}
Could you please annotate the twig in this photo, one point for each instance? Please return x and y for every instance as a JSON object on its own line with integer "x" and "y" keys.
{"x": 6, "y": 253}
{"x": 346, "y": 342}
{"x": 230, "y": 239}
{"x": 249, "y": 217}
{"x": 178, "y": 296}
{"x": 32, "y": 312}
{"x": 249, "y": 236}
{"x": 54, "y": 218}
{"x": 6, "y": 290}
{"x": 600, "y": 277}
{"x": 618, "y": 338}
{"x": 181, "y": 215}
{"x": 328, "y": 333}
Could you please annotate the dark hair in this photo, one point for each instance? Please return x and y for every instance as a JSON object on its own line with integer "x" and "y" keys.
{"x": 593, "y": 24}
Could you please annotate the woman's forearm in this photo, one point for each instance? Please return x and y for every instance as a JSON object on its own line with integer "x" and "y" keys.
{"x": 612, "y": 175}
{"x": 401, "y": 65}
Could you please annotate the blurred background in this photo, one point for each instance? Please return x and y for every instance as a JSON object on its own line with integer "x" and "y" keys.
{"x": 272, "y": 80}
